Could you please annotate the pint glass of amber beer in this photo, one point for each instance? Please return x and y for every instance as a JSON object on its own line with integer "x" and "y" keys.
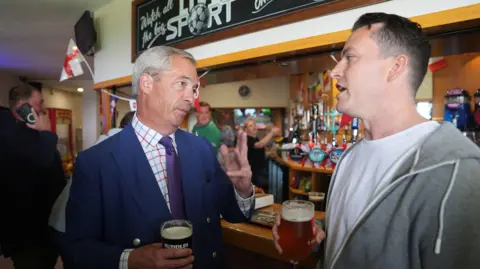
{"x": 296, "y": 230}
{"x": 177, "y": 234}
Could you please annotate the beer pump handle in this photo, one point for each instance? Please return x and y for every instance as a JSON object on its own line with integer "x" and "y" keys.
{"x": 355, "y": 125}
{"x": 315, "y": 115}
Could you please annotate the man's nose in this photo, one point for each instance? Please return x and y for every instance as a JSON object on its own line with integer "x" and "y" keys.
{"x": 337, "y": 71}
{"x": 189, "y": 97}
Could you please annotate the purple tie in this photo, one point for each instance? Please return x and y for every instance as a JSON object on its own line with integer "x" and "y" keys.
{"x": 174, "y": 179}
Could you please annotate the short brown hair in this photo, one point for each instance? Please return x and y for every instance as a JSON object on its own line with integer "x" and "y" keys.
{"x": 19, "y": 93}
{"x": 399, "y": 35}
{"x": 205, "y": 104}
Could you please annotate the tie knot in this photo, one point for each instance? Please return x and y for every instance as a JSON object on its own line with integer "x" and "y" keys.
{"x": 166, "y": 141}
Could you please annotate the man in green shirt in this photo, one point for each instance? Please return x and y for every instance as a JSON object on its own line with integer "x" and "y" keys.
{"x": 205, "y": 126}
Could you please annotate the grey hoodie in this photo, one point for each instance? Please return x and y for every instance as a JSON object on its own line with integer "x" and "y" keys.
{"x": 429, "y": 215}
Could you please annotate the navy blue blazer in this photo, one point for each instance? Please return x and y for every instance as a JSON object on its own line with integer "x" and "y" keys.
{"x": 115, "y": 199}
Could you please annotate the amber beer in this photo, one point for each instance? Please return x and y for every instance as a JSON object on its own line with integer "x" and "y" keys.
{"x": 177, "y": 234}
{"x": 296, "y": 229}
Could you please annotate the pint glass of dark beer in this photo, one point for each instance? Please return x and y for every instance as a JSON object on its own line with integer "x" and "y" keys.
{"x": 296, "y": 230}
{"x": 318, "y": 199}
{"x": 177, "y": 234}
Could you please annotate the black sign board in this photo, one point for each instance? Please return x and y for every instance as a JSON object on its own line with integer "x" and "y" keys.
{"x": 168, "y": 22}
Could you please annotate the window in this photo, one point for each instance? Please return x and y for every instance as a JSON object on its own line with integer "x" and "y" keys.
{"x": 425, "y": 109}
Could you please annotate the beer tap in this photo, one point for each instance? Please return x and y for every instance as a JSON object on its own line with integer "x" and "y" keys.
{"x": 355, "y": 125}
{"x": 345, "y": 133}
{"x": 315, "y": 114}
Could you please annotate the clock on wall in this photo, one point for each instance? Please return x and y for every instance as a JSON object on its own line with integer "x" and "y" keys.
{"x": 244, "y": 91}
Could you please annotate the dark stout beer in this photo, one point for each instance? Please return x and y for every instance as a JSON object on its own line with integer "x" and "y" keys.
{"x": 317, "y": 198}
{"x": 296, "y": 230}
{"x": 177, "y": 234}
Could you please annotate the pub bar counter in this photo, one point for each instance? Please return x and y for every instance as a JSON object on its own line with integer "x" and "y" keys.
{"x": 250, "y": 245}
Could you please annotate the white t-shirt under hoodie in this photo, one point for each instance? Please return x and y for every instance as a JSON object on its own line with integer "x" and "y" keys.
{"x": 363, "y": 173}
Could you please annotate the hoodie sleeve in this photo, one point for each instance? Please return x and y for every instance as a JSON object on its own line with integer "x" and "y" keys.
{"x": 456, "y": 242}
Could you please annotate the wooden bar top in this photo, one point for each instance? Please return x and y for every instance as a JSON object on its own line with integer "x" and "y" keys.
{"x": 259, "y": 239}
{"x": 298, "y": 167}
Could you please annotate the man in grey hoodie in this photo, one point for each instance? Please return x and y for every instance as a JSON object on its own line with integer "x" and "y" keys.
{"x": 407, "y": 196}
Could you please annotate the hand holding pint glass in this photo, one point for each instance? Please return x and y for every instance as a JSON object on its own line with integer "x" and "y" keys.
{"x": 174, "y": 251}
{"x": 295, "y": 233}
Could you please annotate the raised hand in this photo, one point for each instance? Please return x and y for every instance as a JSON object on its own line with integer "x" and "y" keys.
{"x": 238, "y": 168}
{"x": 42, "y": 122}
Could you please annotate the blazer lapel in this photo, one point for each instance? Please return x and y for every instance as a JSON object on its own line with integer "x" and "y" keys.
{"x": 192, "y": 186}
{"x": 139, "y": 178}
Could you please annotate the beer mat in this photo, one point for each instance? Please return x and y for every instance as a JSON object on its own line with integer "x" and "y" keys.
{"x": 264, "y": 218}
{"x": 263, "y": 200}
{"x": 267, "y": 218}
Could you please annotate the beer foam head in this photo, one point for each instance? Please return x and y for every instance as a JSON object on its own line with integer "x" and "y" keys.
{"x": 176, "y": 233}
{"x": 316, "y": 198}
{"x": 298, "y": 214}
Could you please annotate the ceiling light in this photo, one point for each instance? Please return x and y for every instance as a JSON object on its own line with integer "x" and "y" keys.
{"x": 80, "y": 90}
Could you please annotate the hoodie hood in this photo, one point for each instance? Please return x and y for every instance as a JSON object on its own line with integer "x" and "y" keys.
{"x": 454, "y": 147}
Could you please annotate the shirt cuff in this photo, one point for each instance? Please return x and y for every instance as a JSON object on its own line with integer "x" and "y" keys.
{"x": 245, "y": 205}
{"x": 124, "y": 259}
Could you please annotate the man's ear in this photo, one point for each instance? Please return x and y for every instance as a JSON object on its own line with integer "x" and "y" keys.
{"x": 398, "y": 68}
{"x": 146, "y": 83}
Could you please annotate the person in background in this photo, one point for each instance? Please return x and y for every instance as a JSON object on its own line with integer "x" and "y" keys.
{"x": 205, "y": 127}
{"x": 256, "y": 152}
{"x": 127, "y": 119}
{"x": 227, "y": 133}
{"x": 124, "y": 188}
{"x": 57, "y": 216}
{"x": 268, "y": 129}
{"x": 31, "y": 179}
{"x": 407, "y": 194}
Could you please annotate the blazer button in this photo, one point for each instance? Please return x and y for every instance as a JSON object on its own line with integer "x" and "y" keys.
{"x": 136, "y": 242}
{"x": 208, "y": 220}
{"x": 214, "y": 255}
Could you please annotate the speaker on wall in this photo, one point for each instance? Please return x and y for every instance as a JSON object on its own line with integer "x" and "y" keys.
{"x": 85, "y": 34}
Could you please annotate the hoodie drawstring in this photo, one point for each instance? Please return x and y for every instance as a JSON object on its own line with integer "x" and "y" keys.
{"x": 438, "y": 241}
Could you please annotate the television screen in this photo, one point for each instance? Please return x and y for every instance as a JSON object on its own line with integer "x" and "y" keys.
{"x": 85, "y": 34}
{"x": 262, "y": 116}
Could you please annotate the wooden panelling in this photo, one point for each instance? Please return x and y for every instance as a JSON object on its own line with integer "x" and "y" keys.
{"x": 462, "y": 71}
{"x": 441, "y": 18}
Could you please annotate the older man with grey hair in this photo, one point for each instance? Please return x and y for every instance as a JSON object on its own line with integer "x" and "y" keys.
{"x": 151, "y": 172}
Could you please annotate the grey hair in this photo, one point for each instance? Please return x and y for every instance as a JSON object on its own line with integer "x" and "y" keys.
{"x": 155, "y": 59}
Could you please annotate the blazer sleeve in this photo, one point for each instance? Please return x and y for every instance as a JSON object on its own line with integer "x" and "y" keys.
{"x": 84, "y": 221}
{"x": 226, "y": 201}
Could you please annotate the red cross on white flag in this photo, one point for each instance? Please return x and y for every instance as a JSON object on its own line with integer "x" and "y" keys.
{"x": 72, "y": 66}
{"x": 196, "y": 95}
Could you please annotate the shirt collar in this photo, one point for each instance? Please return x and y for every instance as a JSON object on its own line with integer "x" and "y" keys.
{"x": 148, "y": 137}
